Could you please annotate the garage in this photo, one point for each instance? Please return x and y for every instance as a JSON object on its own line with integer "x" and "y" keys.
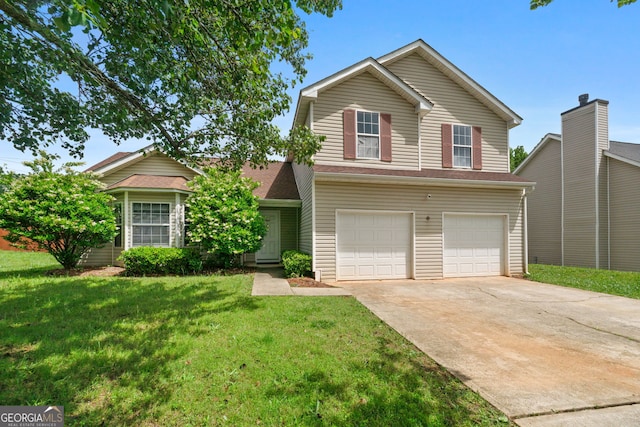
{"x": 374, "y": 245}
{"x": 473, "y": 245}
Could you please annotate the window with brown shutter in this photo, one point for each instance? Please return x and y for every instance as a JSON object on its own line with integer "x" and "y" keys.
{"x": 385, "y": 137}
{"x": 349, "y": 134}
{"x": 476, "y": 143}
{"x": 447, "y": 145}
{"x": 461, "y": 146}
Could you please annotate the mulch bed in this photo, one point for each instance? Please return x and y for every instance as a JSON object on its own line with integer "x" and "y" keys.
{"x": 90, "y": 271}
{"x": 306, "y": 282}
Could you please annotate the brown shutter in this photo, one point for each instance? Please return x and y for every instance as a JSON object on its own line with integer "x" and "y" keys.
{"x": 476, "y": 144}
{"x": 447, "y": 145}
{"x": 349, "y": 134}
{"x": 385, "y": 137}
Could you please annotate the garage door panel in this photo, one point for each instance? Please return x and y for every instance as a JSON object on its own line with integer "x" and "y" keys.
{"x": 373, "y": 245}
{"x": 473, "y": 245}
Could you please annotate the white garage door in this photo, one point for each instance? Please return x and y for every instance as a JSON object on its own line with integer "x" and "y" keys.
{"x": 373, "y": 246}
{"x": 473, "y": 245}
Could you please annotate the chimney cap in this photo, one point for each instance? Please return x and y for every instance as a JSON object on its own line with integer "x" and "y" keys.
{"x": 583, "y": 99}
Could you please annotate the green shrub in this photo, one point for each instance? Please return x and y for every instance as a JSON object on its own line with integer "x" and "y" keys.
{"x": 296, "y": 263}
{"x": 144, "y": 260}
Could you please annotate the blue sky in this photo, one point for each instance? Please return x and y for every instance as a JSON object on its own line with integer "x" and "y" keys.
{"x": 536, "y": 62}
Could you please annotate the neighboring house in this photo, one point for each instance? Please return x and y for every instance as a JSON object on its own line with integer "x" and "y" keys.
{"x": 585, "y": 209}
{"x": 150, "y": 190}
{"x": 412, "y": 181}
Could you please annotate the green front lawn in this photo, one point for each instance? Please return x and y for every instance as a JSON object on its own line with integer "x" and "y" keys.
{"x": 201, "y": 351}
{"x": 623, "y": 283}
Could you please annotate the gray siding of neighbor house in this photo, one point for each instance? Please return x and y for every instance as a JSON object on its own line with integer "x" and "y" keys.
{"x": 584, "y": 192}
{"x": 625, "y": 215}
{"x": 428, "y": 241}
{"x": 367, "y": 93}
{"x": 545, "y": 205}
{"x": 603, "y": 183}
{"x": 452, "y": 104}
{"x": 304, "y": 181}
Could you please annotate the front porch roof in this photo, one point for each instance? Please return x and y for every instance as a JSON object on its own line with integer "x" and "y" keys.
{"x": 151, "y": 182}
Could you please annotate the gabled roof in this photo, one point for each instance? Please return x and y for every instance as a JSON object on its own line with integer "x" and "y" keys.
{"x": 152, "y": 182}
{"x": 370, "y": 65}
{"x": 122, "y": 159}
{"x": 455, "y": 74}
{"x": 624, "y": 151}
{"x": 111, "y": 159}
{"x": 445, "y": 177}
{"x": 543, "y": 142}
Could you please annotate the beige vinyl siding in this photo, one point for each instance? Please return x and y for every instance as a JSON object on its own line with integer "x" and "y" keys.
{"x": 579, "y": 158}
{"x": 625, "y": 215}
{"x": 545, "y": 205}
{"x": 365, "y": 92}
{"x": 304, "y": 181}
{"x": 153, "y": 164}
{"x": 428, "y": 233}
{"x": 107, "y": 254}
{"x": 452, "y": 104}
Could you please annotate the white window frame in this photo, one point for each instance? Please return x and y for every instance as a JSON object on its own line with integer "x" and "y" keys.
{"x": 367, "y": 135}
{"x": 455, "y": 144}
{"x": 150, "y": 224}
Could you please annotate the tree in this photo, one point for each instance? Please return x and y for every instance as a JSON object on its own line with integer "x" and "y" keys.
{"x": 538, "y": 3}
{"x": 516, "y": 156}
{"x": 61, "y": 210}
{"x": 194, "y": 77}
{"x": 222, "y": 215}
{"x": 6, "y": 178}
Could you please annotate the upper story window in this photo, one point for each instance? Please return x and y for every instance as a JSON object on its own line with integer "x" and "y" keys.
{"x": 461, "y": 146}
{"x": 368, "y": 135}
{"x": 151, "y": 223}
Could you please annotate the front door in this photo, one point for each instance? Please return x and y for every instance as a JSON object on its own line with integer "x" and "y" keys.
{"x": 270, "y": 251}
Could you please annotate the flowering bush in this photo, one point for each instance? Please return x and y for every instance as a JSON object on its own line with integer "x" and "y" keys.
{"x": 222, "y": 215}
{"x": 61, "y": 210}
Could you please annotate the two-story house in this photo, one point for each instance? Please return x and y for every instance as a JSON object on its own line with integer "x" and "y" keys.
{"x": 412, "y": 181}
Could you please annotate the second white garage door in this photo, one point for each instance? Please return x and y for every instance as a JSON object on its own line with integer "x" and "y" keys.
{"x": 473, "y": 245}
{"x": 373, "y": 245}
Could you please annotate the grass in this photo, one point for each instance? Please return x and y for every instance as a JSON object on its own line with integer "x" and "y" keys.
{"x": 622, "y": 283}
{"x": 201, "y": 351}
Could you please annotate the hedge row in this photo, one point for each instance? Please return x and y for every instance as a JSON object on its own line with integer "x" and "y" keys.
{"x": 145, "y": 260}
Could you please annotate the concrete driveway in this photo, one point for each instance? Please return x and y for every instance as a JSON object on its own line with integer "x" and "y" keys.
{"x": 543, "y": 354}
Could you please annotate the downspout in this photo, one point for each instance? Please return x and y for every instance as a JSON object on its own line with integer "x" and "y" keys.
{"x": 419, "y": 142}
{"x": 562, "y": 198}
{"x": 608, "y": 217}
{"x": 525, "y": 219}
{"x": 597, "y": 188}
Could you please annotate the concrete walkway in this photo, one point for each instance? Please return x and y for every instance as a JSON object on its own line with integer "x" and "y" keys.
{"x": 271, "y": 282}
{"x": 544, "y": 355}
